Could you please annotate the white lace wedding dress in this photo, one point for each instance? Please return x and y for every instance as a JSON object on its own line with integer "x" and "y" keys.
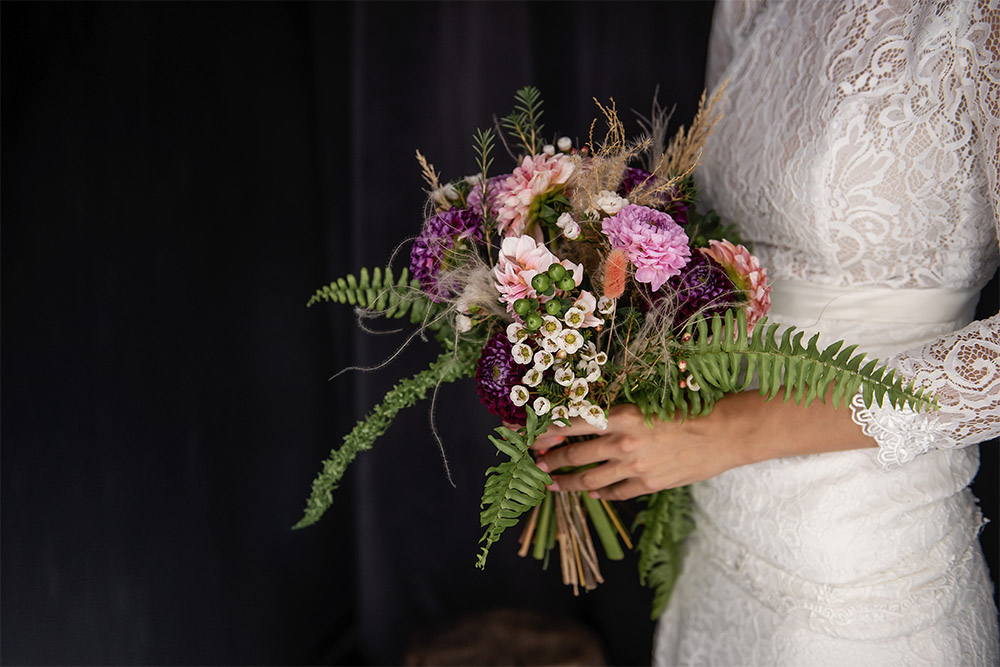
{"x": 859, "y": 155}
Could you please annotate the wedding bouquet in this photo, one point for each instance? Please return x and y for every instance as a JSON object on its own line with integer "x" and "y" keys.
{"x": 583, "y": 278}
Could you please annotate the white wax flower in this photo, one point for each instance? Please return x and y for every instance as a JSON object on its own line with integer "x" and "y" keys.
{"x": 606, "y": 305}
{"x": 532, "y": 377}
{"x": 574, "y": 317}
{"x": 593, "y": 371}
{"x": 549, "y": 344}
{"x": 549, "y": 149}
{"x": 518, "y": 395}
{"x": 463, "y": 323}
{"x": 551, "y": 327}
{"x": 522, "y": 353}
{"x": 473, "y": 179}
{"x": 564, "y": 144}
{"x": 570, "y": 340}
{"x": 579, "y": 389}
{"x": 541, "y": 405}
{"x": 559, "y": 413}
{"x": 594, "y": 415}
{"x": 564, "y": 376}
{"x": 572, "y": 231}
{"x": 516, "y": 332}
{"x": 601, "y": 358}
{"x": 544, "y": 360}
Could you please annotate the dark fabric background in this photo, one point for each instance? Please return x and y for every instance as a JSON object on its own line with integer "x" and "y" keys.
{"x": 177, "y": 179}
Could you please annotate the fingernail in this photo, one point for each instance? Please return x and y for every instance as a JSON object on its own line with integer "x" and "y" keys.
{"x": 596, "y": 495}
{"x": 543, "y": 466}
{"x": 554, "y": 486}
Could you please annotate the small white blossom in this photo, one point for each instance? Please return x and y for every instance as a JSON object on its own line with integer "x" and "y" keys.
{"x": 544, "y": 360}
{"x": 601, "y": 358}
{"x": 692, "y": 384}
{"x": 559, "y": 413}
{"x": 473, "y": 179}
{"x": 564, "y": 144}
{"x": 516, "y": 332}
{"x": 541, "y": 405}
{"x": 574, "y": 317}
{"x": 532, "y": 377}
{"x": 549, "y": 344}
{"x": 610, "y": 202}
{"x": 568, "y": 225}
{"x": 594, "y": 415}
{"x": 606, "y": 305}
{"x": 570, "y": 340}
{"x": 518, "y": 395}
{"x": 445, "y": 194}
{"x": 463, "y": 323}
{"x": 578, "y": 390}
{"x": 551, "y": 327}
{"x": 565, "y": 376}
{"x": 521, "y": 353}
{"x": 593, "y": 371}
{"x": 572, "y": 232}
{"x": 549, "y": 149}
{"x": 588, "y": 351}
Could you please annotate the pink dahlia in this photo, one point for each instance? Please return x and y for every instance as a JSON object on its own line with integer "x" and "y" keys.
{"x": 538, "y": 175}
{"x": 654, "y": 243}
{"x": 521, "y": 259}
{"x": 747, "y": 275}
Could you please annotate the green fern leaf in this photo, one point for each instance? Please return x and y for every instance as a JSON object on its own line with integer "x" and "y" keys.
{"x": 666, "y": 524}
{"x": 382, "y": 292}
{"x": 448, "y": 367}
{"x": 512, "y": 487}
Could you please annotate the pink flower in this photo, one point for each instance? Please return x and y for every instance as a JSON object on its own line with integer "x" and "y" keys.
{"x": 521, "y": 259}
{"x": 537, "y": 176}
{"x": 654, "y": 243}
{"x": 747, "y": 275}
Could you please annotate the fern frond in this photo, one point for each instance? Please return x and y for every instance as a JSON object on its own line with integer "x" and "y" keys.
{"x": 512, "y": 487}
{"x": 523, "y": 123}
{"x": 720, "y": 356}
{"x": 448, "y": 367}
{"x": 667, "y": 522}
{"x": 380, "y": 292}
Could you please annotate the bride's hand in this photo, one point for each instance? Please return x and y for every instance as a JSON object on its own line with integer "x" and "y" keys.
{"x": 635, "y": 458}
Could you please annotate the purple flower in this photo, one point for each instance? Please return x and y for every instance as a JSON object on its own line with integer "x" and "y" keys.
{"x": 633, "y": 177}
{"x": 702, "y": 287}
{"x": 441, "y": 234}
{"x": 654, "y": 243}
{"x": 496, "y": 375}
{"x": 672, "y": 200}
{"x": 475, "y": 199}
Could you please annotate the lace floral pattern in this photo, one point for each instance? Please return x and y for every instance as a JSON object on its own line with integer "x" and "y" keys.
{"x": 860, "y": 148}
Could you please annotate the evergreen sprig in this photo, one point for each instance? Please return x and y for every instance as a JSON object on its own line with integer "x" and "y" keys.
{"x": 523, "y": 124}
{"x": 666, "y": 524}
{"x": 448, "y": 367}
{"x": 512, "y": 487}
{"x": 381, "y": 292}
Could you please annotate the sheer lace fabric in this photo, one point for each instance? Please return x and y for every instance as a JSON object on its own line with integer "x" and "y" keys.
{"x": 859, "y": 151}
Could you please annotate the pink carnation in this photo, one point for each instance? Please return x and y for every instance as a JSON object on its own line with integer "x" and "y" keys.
{"x": 747, "y": 275}
{"x": 654, "y": 243}
{"x": 537, "y": 176}
{"x": 521, "y": 259}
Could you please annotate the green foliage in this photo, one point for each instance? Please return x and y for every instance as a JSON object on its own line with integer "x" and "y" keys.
{"x": 381, "y": 292}
{"x": 721, "y": 357}
{"x": 523, "y": 123}
{"x": 448, "y": 367}
{"x": 512, "y": 487}
{"x": 666, "y": 524}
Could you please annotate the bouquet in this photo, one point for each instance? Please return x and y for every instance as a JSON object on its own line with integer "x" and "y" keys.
{"x": 583, "y": 278}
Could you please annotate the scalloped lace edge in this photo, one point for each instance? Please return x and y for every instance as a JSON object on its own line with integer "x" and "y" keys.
{"x": 902, "y": 434}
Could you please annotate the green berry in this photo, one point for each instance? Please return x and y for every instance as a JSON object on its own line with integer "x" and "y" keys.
{"x": 567, "y": 284}
{"x": 533, "y": 322}
{"x": 522, "y": 307}
{"x": 541, "y": 282}
{"x": 557, "y": 272}
{"x": 554, "y": 307}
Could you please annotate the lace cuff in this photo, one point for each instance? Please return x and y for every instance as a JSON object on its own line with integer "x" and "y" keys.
{"x": 901, "y": 433}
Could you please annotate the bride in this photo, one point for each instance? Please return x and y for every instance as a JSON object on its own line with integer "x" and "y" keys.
{"x": 859, "y": 154}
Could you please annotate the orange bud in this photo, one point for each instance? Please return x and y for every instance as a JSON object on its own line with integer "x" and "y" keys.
{"x": 615, "y": 273}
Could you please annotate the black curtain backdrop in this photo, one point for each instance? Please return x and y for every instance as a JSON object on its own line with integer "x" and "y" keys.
{"x": 177, "y": 179}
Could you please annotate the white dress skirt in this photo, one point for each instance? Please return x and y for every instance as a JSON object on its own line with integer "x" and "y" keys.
{"x": 859, "y": 156}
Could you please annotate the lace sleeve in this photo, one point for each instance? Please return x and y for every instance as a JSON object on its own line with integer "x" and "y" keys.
{"x": 963, "y": 368}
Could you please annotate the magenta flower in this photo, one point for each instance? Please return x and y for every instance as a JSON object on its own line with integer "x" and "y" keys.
{"x": 654, "y": 243}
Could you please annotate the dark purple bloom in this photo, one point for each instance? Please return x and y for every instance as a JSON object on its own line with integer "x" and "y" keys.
{"x": 702, "y": 287}
{"x": 673, "y": 202}
{"x": 496, "y": 375}
{"x": 440, "y": 235}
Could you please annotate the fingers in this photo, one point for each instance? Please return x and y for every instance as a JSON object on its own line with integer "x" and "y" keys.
{"x": 558, "y": 433}
{"x": 577, "y": 454}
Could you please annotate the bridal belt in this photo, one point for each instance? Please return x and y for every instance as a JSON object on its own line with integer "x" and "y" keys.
{"x": 808, "y": 302}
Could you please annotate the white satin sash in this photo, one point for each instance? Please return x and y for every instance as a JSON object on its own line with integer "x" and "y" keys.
{"x": 808, "y": 302}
